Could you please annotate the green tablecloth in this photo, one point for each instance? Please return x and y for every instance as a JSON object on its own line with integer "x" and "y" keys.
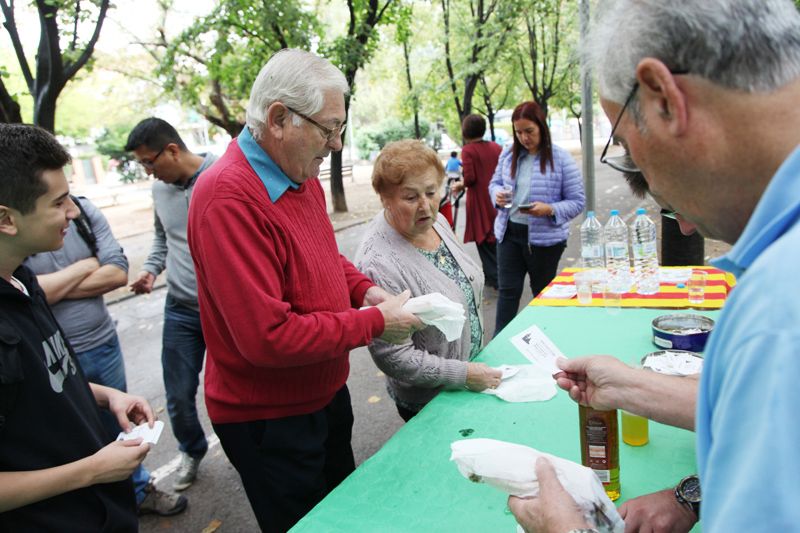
{"x": 411, "y": 485}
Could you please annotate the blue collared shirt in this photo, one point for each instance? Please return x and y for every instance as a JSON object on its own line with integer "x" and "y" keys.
{"x": 747, "y": 427}
{"x": 274, "y": 179}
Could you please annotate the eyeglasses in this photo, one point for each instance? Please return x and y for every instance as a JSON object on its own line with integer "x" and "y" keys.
{"x": 624, "y": 163}
{"x": 668, "y": 213}
{"x": 150, "y": 163}
{"x": 329, "y": 133}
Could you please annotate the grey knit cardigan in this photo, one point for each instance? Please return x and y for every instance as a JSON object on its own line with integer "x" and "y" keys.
{"x": 417, "y": 370}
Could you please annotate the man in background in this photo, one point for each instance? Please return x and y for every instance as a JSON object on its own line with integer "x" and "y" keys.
{"x": 163, "y": 154}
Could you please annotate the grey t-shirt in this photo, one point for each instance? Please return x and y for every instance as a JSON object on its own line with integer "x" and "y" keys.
{"x": 86, "y": 322}
{"x": 170, "y": 249}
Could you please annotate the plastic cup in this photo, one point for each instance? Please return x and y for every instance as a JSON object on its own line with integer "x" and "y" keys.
{"x": 583, "y": 285}
{"x": 508, "y": 192}
{"x": 612, "y": 299}
{"x": 635, "y": 429}
{"x": 697, "y": 286}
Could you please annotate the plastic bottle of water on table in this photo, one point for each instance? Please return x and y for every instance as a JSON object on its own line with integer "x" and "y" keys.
{"x": 593, "y": 251}
{"x": 645, "y": 254}
{"x": 618, "y": 265}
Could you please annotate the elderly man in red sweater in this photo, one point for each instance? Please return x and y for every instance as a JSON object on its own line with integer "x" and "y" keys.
{"x": 279, "y": 304}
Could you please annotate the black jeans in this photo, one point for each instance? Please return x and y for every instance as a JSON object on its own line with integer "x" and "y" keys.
{"x": 516, "y": 258}
{"x": 288, "y": 465}
{"x": 487, "y": 251}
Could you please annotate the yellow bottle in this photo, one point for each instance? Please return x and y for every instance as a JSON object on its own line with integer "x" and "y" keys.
{"x": 600, "y": 446}
{"x": 635, "y": 429}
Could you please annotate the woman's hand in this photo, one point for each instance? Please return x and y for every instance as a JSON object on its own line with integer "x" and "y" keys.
{"x": 481, "y": 376}
{"x": 539, "y": 209}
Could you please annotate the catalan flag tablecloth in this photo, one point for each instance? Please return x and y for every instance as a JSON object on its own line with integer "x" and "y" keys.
{"x": 670, "y": 295}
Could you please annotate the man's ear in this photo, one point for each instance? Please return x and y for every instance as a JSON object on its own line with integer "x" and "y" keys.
{"x": 661, "y": 100}
{"x": 277, "y": 118}
{"x": 8, "y": 221}
{"x": 173, "y": 150}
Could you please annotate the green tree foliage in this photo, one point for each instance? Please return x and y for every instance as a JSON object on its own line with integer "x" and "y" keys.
{"x": 350, "y": 52}
{"x": 63, "y": 50}
{"x": 474, "y": 34}
{"x": 549, "y": 55}
{"x": 111, "y": 143}
{"x": 212, "y": 65}
{"x": 371, "y": 140}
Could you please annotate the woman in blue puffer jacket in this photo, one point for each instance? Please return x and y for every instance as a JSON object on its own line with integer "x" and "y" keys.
{"x": 543, "y": 193}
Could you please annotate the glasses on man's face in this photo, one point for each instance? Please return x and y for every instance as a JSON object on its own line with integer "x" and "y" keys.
{"x": 150, "y": 163}
{"x": 329, "y": 133}
{"x": 669, "y": 213}
{"x": 622, "y": 163}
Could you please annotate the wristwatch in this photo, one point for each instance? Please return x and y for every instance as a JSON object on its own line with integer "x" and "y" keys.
{"x": 688, "y": 493}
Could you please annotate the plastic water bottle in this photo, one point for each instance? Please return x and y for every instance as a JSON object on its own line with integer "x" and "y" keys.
{"x": 618, "y": 265}
{"x": 592, "y": 250}
{"x": 645, "y": 255}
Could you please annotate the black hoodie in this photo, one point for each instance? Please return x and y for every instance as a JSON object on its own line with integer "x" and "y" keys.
{"x": 49, "y": 417}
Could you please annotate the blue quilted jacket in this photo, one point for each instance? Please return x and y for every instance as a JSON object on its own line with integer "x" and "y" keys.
{"x": 560, "y": 186}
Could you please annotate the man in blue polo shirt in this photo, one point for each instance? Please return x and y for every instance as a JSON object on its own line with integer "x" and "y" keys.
{"x": 705, "y": 102}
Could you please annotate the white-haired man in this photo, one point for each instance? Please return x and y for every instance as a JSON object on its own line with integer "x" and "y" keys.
{"x": 278, "y": 303}
{"x": 705, "y": 97}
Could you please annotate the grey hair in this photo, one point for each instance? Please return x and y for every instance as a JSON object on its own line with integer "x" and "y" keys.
{"x": 296, "y": 78}
{"x": 749, "y": 45}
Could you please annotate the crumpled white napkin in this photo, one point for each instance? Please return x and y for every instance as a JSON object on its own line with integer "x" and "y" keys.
{"x": 674, "y": 363}
{"x": 512, "y": 469}
{"x": 437, "y": 310}
{"x": 527, "y": 383}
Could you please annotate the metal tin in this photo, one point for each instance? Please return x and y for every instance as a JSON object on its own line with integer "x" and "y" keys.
{"x": 682, "y": 332}
{"x": 677, "y": 353}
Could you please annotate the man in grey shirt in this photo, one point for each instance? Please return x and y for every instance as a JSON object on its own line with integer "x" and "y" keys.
{"x": 163, "y": 154}
{"x": 75, "y": 278}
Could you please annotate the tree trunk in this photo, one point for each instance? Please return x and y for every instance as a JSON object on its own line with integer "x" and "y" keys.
{"x": 9, "y": 108}
{"x": 44, "y": 111}
{"x": 677, "y": 249}
{"x": 337, "y": 186}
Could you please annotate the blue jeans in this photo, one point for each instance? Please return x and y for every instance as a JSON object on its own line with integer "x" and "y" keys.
{"x": 182, "y": 353}
{"x": 103, "y": 365}
{"x": 516, "y": 258}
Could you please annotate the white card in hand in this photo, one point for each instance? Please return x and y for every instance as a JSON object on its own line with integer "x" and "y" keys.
{"x": 538, "y": 349}
{"x": 147, "y": 433}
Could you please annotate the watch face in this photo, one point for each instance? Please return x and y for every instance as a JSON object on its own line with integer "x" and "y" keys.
{"x": 690, "y": 489}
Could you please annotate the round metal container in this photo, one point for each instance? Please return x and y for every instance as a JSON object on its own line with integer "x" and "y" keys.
{"x": 673, "y": 369}
{"x": 682, "y": 332}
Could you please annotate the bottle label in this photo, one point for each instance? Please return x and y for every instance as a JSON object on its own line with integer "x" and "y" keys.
{"x": 617, "y": 250}
{"x": 644, "y": 249}
{"x": 604, "y": 475}
{"x": 592, "y": 250}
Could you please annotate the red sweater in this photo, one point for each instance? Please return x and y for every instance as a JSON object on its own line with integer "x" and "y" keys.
{"x": 276, "y": 297}
{"x": 479, "y": 160}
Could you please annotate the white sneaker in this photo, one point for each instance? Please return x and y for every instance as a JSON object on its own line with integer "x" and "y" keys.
{"x": 187, "y": 471}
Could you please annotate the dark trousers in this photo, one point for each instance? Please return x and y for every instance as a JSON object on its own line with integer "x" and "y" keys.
{"x": 288, "y": 465}
{"x": 488, "y": 254}
{"x": 516, "y": 258}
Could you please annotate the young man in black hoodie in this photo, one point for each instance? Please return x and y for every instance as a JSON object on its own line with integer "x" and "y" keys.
{"x": 57, "y": 472}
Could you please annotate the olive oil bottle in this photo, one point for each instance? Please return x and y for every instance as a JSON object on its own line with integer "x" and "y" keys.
{"x": 600, "y": 446}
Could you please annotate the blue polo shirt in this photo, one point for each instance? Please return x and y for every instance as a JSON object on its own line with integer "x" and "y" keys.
{"x": 271, "y": 175}
{"x": 748, "y": 428}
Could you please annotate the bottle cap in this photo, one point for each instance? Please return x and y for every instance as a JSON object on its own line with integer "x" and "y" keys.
{"x": 590, "y": 214}
{"x": 614, "y": 212}
{"x": 641, "y": 211}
